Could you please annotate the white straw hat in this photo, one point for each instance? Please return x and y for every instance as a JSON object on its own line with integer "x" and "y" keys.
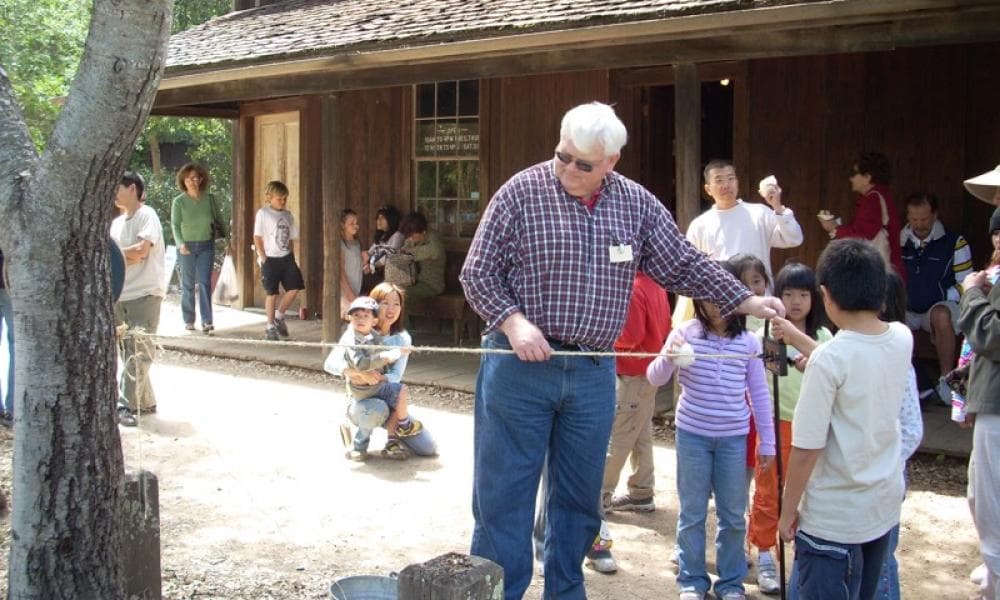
{"x": 984, "y": 186}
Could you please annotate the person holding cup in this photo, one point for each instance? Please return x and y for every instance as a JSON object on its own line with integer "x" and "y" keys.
{"x": 733, "y": 226}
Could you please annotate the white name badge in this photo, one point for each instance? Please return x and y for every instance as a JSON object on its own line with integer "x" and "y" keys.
{"x": 620, "y": 253}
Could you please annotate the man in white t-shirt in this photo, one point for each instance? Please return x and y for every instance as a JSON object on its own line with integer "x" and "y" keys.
{"x": 138, "y": 233}
{"x": 844, "y": 486}
{"x": 733, "y": 226}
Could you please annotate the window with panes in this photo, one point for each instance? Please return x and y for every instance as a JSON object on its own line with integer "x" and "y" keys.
{"x": 446, "y": 155}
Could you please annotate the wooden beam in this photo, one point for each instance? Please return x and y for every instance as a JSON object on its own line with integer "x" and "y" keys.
{"x": 311, "y": 203}
{"x": 687, "y": 142}
{"x": 242, "y": 234}
{"x": 207, "y": 112}
{"x": 664, "y": 74}
{"x": 739, "y": 76}
{"x": 334, "y": 201}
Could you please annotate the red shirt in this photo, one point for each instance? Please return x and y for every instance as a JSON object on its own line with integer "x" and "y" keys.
{"x": 868, "y": 221}
{"x": 647, "y": 324}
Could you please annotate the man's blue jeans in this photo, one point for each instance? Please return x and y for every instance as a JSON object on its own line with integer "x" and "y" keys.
{"x": 705, "y": 465}
{"x": 196, "y": 267}
{"x": 826, "y": 570}
{"x": 7, "y": 318}
{"x": 564, "y": 407}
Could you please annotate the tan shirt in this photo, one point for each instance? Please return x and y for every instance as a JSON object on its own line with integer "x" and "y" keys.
{"x": 849, "y": 407}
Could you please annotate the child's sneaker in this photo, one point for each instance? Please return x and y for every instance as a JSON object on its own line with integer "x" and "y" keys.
{"x": 357, "y": 455}
{"x": 978, "y": 575}
{"x": 410, "y": 429}
{"x": 394, "y": 450}
{"x": 279, "y": 324}
{"x": 271, "y": 334}
{"x": 599, "y": 557}
{"x": 767, "y": 574}
{"x": 629, "y": 503}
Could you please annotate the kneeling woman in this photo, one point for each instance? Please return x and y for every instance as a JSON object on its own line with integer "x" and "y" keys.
{"x": 371, "y": 413}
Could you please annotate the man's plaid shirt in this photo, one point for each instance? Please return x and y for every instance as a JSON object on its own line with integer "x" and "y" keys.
{"x": 540, "y": 251}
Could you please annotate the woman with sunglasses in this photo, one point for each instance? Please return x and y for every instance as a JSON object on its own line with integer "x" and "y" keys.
{"x": 875, "y": 211}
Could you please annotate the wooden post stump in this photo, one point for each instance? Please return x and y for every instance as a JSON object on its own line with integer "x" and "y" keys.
{"x": 141, "y": 535}
{"x": 452, "y": 576}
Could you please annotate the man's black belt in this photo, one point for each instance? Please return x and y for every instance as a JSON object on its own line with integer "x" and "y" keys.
{"x": 564, "y": 345}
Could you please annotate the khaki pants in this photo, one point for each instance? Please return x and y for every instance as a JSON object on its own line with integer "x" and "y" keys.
{"x": 135, "y": 391}
{"x": 632, "y": 437}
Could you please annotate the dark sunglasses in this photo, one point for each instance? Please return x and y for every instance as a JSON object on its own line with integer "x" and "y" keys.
{"x": 566, "y": 158}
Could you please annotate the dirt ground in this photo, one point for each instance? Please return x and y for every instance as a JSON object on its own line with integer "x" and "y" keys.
{"x": 257, "y": 501}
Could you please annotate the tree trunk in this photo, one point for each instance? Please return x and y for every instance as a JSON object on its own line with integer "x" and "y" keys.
{"x": 68, "y": 470}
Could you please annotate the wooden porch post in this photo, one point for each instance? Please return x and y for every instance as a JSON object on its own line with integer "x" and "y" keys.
{"x": 334, "y": 200}
{"x": 687, "y": 142}
{"x": 242, "y": 211}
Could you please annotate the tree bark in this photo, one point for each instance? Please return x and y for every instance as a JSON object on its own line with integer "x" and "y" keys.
{"x": 56, "y": 208}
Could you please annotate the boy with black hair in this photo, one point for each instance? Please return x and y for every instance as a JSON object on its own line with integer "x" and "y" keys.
{"x": 274, "y": 232}
{"x": 844, "y": 486}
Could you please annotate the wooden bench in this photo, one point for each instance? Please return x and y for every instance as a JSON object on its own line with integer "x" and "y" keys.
{"x": 450, "y": 305}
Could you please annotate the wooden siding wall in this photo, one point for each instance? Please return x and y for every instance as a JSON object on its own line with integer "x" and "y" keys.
{"x": 377, "y": 130}
{"x": 521, "y": 117}
{"x": 932, "y": 111}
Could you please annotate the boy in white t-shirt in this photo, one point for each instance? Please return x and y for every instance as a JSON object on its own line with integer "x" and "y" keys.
{"x": 274, "y": 230}
{"x": 844, "y": 486}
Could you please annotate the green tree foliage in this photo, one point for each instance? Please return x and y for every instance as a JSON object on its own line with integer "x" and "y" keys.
{"x": 188, "y": 13}
{"x": 40, "y": 47}
{"x": 208, "y": 141}
{"x": 41, "y": 58}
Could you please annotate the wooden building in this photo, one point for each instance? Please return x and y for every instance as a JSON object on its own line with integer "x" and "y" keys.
{"x": 432, "y": 104}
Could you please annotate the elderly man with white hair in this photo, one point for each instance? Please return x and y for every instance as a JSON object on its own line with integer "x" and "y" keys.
{"x": 551, "y": 269}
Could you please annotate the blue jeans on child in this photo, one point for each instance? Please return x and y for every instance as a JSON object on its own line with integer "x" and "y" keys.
{"x": 563, "y": 407}
{"x": 825, "y": 570}
{"x": 705, "y": 465}
{"x": 888, "y": 581}
{"x": 368, "y": 415}
{"x": 196, "y": 267}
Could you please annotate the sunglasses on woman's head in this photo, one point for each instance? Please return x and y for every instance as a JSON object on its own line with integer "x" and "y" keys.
{"x": 566, "y": 158}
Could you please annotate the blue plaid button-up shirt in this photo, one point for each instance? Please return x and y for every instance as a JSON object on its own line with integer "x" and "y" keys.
{"x": 540, "y": 251}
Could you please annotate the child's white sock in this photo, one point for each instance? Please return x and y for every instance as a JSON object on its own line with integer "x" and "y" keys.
{"x": 764, "y": 557}
{"x": 279, "y": 315}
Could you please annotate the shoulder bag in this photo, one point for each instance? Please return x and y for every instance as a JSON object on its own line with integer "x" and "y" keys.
{"x": 400, "y": 269}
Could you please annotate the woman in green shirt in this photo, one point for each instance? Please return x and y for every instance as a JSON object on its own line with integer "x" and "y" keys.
{"x": 191, "y": 216}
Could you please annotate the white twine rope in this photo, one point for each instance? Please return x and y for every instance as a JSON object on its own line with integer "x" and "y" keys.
{"x": 429, "y": 349}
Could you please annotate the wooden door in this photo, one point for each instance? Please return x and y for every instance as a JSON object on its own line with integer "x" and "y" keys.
{"x": 276, "y": 156}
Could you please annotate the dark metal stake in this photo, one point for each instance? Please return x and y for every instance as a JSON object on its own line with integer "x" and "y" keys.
{"x": 776, "y": 361}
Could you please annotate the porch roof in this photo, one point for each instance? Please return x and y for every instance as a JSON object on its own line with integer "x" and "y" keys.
{"x": 298, "y": 29}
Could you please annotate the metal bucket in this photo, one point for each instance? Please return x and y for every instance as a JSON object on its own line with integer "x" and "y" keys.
{"x": 365, "y": 587}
